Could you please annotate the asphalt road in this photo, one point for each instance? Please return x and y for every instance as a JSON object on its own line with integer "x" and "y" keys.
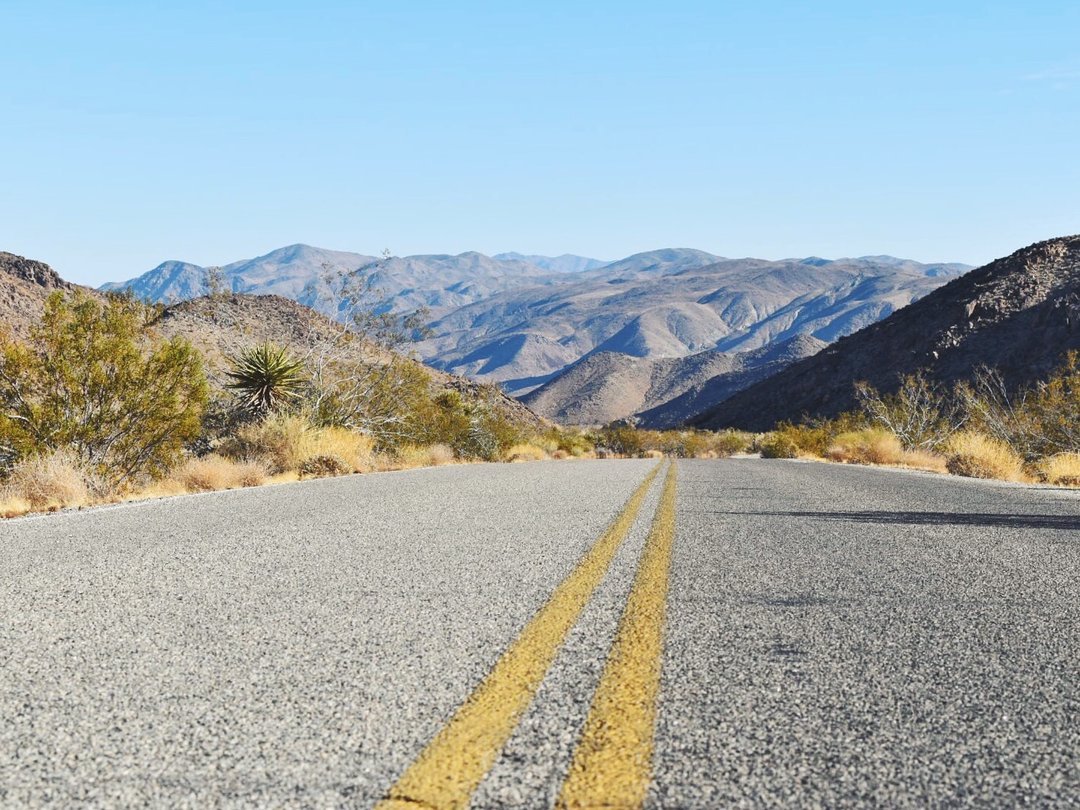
{"x": 744, "y": 634}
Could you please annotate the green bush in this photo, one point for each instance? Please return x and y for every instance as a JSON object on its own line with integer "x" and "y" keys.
{"x": 778, "y": 445}
{"x": 730, "y": 442}
{"x": 809, "y": 440}
{"x": 91, "y": 380}
{"x": 474, "y": 427}
{"x": 622, "y": 440}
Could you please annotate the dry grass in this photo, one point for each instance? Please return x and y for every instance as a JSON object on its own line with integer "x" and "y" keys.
{"x": 287, "y": 442}
{"x": 52, "y": 481}
{"x": 213, "y": 472}
{"x": 1062, "y": 470}
{"x": 871, "y": 446}
{"x": 526, "y": 452}
{"x": 355, "y": 449}
{"x": 924, "y": 460}
{"x": 440, "y": 454}
{"x": 409, "y": 456}
{"x": 975, "y": 455}
{"x": 13, "y": 506}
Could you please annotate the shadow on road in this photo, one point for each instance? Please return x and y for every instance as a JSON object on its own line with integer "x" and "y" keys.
{"x": 1060, "y": 522}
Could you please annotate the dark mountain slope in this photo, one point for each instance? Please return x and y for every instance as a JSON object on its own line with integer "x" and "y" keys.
{"x": 1019, "y": 314}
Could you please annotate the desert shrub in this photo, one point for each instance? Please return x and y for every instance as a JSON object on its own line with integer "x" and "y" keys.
{"x": 57, "y": 479}
{"x": 1061, "y": 469}
{"x": 808, "y": 440}
{"x": 475, "y": 427}
{"x": 1036, "y": 422}
{"x": 525, "y": 452}
{"x": 407, "y": 456}
{"x": 213, "y": 472}
{"x": 920, "y": 414}
{"x": 730, "y": 442}
{"x": 323, "y": 466}
{"x": 978, "y": 456}
{"x": 354, "y": 449}
{"x": 266, "y": 377}
{"x": 279, "y": 440}
{"x": 872, "y": 446}
{"x": 84, "y": 382}
{"x": 778, "y": 445}
{"x": 391, "y": 402}
{"x": 621, "y": 440}
{"x": 1056, "y": 408}
{"x": 686, "y": 444}
{"x": 489, "y": 436}
{"x": 566, "y": 440}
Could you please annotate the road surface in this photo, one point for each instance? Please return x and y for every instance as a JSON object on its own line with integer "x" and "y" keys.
{"x": 737, "y": 633}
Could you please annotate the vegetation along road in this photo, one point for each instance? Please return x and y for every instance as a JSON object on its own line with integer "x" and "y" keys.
{"x": 581, "y": 634}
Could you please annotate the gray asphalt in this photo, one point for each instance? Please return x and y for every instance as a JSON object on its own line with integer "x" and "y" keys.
{"x": 836, "y": 636}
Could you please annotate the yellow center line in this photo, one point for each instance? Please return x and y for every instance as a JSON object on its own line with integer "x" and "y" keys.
{"x": 612, "y": 765}
{"x": 448, "y": 770}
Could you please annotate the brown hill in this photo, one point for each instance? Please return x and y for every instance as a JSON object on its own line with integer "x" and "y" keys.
{"x": 1019, "y": 314}
{"x": 658, "y": 393}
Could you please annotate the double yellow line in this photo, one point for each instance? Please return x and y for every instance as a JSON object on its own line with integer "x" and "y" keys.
{"x": 612, "y": 765}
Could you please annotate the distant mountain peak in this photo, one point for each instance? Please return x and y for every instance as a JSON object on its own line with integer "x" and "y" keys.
{"x": 565, "y": 263}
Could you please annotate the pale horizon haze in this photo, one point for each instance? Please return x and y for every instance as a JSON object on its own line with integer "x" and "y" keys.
{"x": 216, "y": 132}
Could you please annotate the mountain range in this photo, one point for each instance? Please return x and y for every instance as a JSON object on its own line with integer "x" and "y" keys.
{"x": 521, "y": 320}
{"x": 668, "y": 304}
{"x": 315, "y": 276}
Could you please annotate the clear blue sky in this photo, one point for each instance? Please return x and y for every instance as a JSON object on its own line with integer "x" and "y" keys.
{"x": 135, "y": 132}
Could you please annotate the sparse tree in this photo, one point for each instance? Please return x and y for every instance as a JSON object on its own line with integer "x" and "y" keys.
{"x": 216, "y": 286}
{"x": 1036, "y": 422}
{"x": 356, "y": 379}
{"x": 920, "y": 413}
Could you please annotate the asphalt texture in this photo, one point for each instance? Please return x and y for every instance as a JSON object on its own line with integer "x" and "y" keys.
{"x": 835, "y": 636}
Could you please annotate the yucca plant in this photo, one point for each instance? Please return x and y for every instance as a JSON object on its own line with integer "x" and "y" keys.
{"x": 266, "y": 377}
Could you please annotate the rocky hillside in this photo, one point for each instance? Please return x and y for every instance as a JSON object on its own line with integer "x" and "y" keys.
{"x": 658, "y": 393}
{"x": 24, "y": 286}
{"x": 221, "y": 325}
{"x": 1018, "y": 314}
{"x": 671, "y": 303}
